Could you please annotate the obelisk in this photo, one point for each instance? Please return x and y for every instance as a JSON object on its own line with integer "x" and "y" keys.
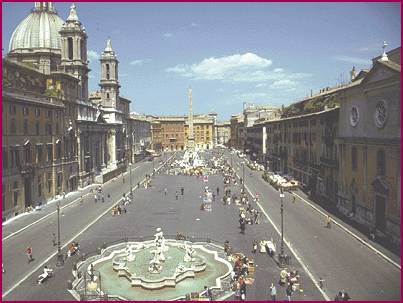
{"x": 191, "y": 140}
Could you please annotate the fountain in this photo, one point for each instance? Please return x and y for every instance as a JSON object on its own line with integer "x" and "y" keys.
{"x": 129, "y": 270}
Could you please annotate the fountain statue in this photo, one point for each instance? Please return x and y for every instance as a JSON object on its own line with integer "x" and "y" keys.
{"x": 130, "y": 253}
{"x": 159, "y": 240}
{"x": 155, "y": 266}
{"x": 189, "y": 254}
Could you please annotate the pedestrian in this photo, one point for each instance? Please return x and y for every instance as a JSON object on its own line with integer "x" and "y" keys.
{"x": 81, "y": 199}
{"x": 218, "y": 191}
{"x": 182, "y": 191}
{"x": 176, "y": 195}
{"x": 95, "y": 198}
{"x": 328, "y": 222}
{"x": 293, "y": 199}
{"x": 103, "y": 198}
{"x": 243, "y": 290}
{"x": 54, "y": 239}
{"x": 254, "y": 246}
{"x": 288, "y": 291}
{"x": 29, "y": 254}
{"x": 344, "y": 296}
{"x": 273, "y": 292}
{"x": 209, "y": 293}
{"x": 138, "y": 184}
{"x": 165, "y": 191}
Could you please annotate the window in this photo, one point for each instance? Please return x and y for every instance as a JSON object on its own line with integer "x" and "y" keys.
{"x": 49, "y": 182}
{"x": 15, "y": 154}
{"x": 50, "y": 152}
{"x": 37, "y": 128}
{"x": 25, "y": 111}
{"x": 107, "y": 71}
{"x": 59, "y": 181}
{"x": 381, "y": 163}
{"x": 39, "y": 155}
{"x": 13, "y": 129}
{"x": 49, "y": 114}
{"x": 59, "y": 150}
{"x": 28, "y": 153}
{"x": 49, "y": 129}
{"x": 70, "y": 48}
{"x": 25, "y": 127}
{"x": 5, "y": 159}
{"x": 37, "y": 112}
{"x": 15, "y": 193}
{"x": 354, "y": 158}
{"x": 107, "y": 96}
{"x": 13, "y": 109}
{"x": 39, "y": 186}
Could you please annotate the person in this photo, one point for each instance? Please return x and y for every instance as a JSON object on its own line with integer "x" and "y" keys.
{"x": 103, "y": 198}
{"x": 338, "y": 296}
{"x": 47, "y": 272}
{"x": 29, "y": 254}
{"x": 227, "y": 248}
{"x": 95, "y": 198}
{"x": 182, "y": 191}
{"x": 243, "y": 225}
{"x": 165, "y": 191}
{"x": 54, "y": 239}
{"x": 288, "y": 291}
{"x": 218, "y": 191}
{"x": 273, "y": 292}
{"x": 209, "y": 293}
{"x": 328, "y": 222}
{"x": 254, "y": 246}
{"x": 344, "y": 296}
{"x": 176, "y": 195}
{"x": 293, "y": 199}
{"x": 243, "y": 289}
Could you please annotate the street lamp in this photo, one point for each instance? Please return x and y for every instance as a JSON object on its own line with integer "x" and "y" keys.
{"x": 243, "y": 177}
{"x": 131, "y": 186}
{"x": 60, "y": 258}
{"x": 281, "y": 256}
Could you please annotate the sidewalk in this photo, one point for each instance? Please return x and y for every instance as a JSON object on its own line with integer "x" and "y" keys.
{"x": 392, "y": 252}
{"x": 25, "y": 219}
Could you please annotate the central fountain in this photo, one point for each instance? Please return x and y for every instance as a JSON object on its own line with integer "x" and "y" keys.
{"x": 156, "y": 269}
{"x": 162, "y": 271}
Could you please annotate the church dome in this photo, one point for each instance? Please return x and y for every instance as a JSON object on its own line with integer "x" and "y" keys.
{"x": 40, "y": 29}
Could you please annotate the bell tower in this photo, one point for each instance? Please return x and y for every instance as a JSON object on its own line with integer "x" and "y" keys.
{"x": 74, "y": 51}
{"x": 109, "y": 77}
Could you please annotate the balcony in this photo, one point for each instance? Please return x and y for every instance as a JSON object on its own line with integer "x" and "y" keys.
{"x": 328, "y": 162}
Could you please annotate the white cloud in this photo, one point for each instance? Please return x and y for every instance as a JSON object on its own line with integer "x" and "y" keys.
{"x": 139, "y": 61}
{"x": 230, "y": 67}
{"x": 353, "y": 60}
{"x": 92, "y": 55}
{"x": 247, "y": 67}
{"x": 261, "y": 84}
{"x": 283, "y": 84}
{"x": 167, "y": 35}
{"x": 194, "y": 24}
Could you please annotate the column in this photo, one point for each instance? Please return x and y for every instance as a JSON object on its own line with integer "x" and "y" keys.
{"x": 112, "y": 148}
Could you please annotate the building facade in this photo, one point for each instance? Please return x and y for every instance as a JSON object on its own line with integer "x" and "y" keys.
{"x": 368, "y": 144}
{"x": 55, "y": 137}
{"x": 223, "y": 133}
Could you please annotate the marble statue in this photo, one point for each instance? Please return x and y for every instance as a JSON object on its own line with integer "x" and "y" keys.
{"x": 130, "y": 253}
{"x": 189, "y": 254}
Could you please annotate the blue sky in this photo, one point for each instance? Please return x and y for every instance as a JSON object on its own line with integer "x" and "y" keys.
{"x": 230, "y": 53}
